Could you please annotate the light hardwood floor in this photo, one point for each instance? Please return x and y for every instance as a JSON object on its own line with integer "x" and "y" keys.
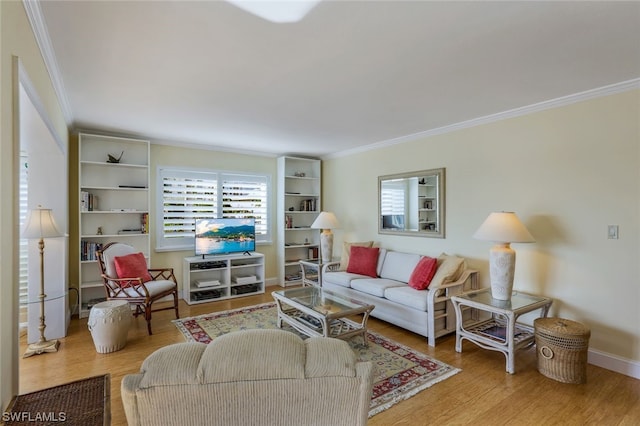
{"x": 482, "y": 393}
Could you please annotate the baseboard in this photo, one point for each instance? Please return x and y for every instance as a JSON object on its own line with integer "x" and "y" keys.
{"x": 271, "y": 282}
{"x": 615, "y": 363}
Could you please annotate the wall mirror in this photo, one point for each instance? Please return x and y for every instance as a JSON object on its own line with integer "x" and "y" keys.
{"x": 412, "y": 203}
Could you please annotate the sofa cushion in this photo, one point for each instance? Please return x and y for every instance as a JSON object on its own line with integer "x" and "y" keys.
{"x": 399, "y": 266}
{"x": 407, "y": 296}
{"x": 327, "y": 357}
{"x": 423, "y": 273}
{"x": 449, "y": 270}
{"x": 341, "y": 278}
{"x": 159, "y": 367}
{"x": 364, "y": 261}
{"x": 381, "y": 256}
{"x": 253, "y": 355}
{"x": 346, "y": 252}
{"x": 375, "y": 286}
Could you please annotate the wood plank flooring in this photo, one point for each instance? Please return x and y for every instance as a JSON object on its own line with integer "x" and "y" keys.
{"x": 482, "y": 394}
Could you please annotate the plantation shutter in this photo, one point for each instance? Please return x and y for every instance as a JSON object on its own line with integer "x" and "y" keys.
{"x": 245, "y": 196}
{"x": 185, "y": 197}
{"x": 23, "y": 255}
{"x": 392, "y": 200}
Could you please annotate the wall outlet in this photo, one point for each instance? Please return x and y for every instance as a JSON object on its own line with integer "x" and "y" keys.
{"x": 613, "y": 232}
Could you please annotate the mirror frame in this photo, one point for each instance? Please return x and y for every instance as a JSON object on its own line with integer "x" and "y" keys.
{"x": 439, "y": 231}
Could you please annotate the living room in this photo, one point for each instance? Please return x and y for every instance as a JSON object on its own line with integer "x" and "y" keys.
{"x": 568, "y": 167}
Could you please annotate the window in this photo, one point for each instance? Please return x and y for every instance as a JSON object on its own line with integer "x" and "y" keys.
{"x": 184, "y": 195}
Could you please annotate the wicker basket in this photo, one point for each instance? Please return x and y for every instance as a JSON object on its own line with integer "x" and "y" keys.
{"x": 561, "y": 347}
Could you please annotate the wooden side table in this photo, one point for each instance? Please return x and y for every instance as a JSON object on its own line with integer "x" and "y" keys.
{"x": 500, "y": 332}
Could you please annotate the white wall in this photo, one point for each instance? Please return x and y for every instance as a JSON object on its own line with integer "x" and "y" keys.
{"x": 47, "y": 183}
{"x": 17, "y": 42}
{"x": 567, "y": 172}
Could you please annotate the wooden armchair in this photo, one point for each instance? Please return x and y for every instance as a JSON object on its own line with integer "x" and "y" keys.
{"x": 141, "y": 290}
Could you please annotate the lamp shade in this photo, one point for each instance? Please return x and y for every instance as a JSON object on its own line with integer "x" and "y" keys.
{"x": 503, "y": 227}
{"x": 40, "y": 224}
{"x": 326, "y": 220}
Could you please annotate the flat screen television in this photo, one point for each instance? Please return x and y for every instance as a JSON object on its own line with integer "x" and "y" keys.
{"x": 225, "y": 236}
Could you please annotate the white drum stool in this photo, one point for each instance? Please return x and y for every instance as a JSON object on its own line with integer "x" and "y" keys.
{"x": 109, "y": 324}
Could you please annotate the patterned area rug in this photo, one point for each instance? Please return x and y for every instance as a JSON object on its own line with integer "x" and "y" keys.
{"x": 401, "y": 372}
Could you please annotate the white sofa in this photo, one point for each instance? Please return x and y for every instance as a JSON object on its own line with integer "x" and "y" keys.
{"x": 428, "y": 312}
{"x": 251, "y": 377}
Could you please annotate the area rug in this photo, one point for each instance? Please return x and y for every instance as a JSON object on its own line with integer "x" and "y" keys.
{"x": 84, "y": 402}
{"x": 400, "y": 372}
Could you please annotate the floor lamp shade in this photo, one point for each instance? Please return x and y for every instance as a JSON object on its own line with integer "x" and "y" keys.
{"x": 40, "y": 225}
{"x": 326, "y": 221}
{"x": 503, "y": 228}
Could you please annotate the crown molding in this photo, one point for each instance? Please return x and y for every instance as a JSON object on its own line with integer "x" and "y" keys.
{"x": 39, "y": 27}
{"x": 516, "y": 112}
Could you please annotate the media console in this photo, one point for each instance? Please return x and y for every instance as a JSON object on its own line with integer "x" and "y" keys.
{"x": 222, "y": 277}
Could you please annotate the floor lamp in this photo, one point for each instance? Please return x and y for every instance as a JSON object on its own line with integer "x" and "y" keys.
{"x": 503, "y": 228}
{"x": 326, "y": 221}
{"x": 40, "y": 225}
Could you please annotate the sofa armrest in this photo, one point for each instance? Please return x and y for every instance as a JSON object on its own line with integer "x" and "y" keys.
{"x": 130, "y": 384}
{"x": 331, "y": 267}
{"x": 468, "y": 281}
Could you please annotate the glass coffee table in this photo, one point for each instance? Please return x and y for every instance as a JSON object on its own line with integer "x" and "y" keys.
{"x": 317, "y": 312}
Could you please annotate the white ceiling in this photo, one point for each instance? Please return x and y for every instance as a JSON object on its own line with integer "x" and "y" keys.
{"x": 348, "y": 75}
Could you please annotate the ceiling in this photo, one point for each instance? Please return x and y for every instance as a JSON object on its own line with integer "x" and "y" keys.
{"x": 349, "y": 75}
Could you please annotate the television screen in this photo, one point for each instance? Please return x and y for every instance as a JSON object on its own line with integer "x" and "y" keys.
{"x": 224, "y": 236}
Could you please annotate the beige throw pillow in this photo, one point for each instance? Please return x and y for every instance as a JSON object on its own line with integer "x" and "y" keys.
{"x": 346, "y": 252}
{"x": 449, "y": 269}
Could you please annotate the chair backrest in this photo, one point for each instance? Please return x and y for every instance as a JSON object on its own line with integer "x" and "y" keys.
{"x": 108, "y": 254}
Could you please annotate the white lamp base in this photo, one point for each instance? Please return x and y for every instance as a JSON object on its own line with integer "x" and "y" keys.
{"x": 326, "y": 245}
{"x": 502, "y": 263}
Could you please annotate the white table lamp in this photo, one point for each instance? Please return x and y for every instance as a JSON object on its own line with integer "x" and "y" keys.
{"x": 326, "y": 221}
{"x": 502, "y": 228}
{"x": 40, "y": 225}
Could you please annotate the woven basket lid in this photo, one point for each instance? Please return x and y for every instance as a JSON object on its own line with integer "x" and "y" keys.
{"x": 562, "y": 326}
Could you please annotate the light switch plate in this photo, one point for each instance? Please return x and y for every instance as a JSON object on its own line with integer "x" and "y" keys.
{"x": 613, "y": 232}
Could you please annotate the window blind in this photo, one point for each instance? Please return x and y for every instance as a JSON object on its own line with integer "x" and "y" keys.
{"x": 186, "y": 195}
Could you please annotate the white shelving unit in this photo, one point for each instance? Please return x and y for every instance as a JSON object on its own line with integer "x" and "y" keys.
{"x": 210, "y": 278}
{"x": 113, "y": 204}
{"x": 428, "y": 203}
{"x": 299, "y": 203}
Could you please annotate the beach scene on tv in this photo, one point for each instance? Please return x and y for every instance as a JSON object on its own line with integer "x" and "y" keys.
{"x": 222, "y": 236}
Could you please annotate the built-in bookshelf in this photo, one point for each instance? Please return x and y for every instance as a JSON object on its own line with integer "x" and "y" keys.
{"x": 298, "y": 205}
{"x": 113, "y": 204}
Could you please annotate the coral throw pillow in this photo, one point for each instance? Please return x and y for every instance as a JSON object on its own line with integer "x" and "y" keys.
{"x": 132, "y": 266}
{"x": 423, "y": 273}
{"x": 346, "y": 252}
{"x": 363, "y": 261}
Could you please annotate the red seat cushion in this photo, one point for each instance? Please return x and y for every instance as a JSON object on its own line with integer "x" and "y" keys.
{"x": 363, "y": 261}
{"x": 132, "y": 266}
{"x": 423, "y": 273}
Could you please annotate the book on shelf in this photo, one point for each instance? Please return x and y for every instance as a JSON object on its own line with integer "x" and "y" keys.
{"x": 88, "y": 201}
{"x": 144, "y": 222}
{"x": 88, "y": 250}
{"x": 129, "y": 231}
